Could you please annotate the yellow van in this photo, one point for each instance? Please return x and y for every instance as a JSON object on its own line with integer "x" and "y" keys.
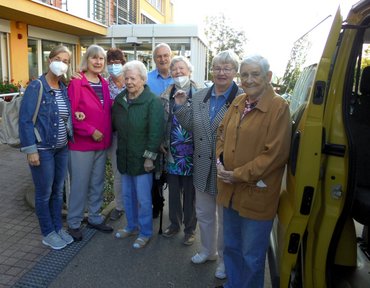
{"x": 320, "y": 236}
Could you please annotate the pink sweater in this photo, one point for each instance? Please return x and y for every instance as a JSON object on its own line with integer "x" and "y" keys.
{"x": 97, "y": 116}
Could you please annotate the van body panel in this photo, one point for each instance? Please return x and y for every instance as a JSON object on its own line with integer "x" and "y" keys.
{"x": 295, "y": 208}
{"x": 320, "y": 236}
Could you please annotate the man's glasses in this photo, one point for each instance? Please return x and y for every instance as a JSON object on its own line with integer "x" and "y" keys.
{"x": 226, "y": 71}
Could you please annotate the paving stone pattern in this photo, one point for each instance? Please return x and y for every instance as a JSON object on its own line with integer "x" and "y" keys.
{"x": 20, "y": 237}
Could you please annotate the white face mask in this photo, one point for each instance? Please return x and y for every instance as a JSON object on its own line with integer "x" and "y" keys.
{"x": 181, "y": 81}
{"x": 58, "y": 68}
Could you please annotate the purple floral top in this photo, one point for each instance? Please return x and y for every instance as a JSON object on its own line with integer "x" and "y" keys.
{"x": 113, "y": 89}
{"x": 181, "y": 147}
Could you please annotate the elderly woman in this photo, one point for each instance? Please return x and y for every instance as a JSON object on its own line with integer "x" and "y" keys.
{"x": 202, "y": 117}
{"x": 136, "y": 118}
{"x": 252, "y": 149}
{"x": 47, "y": 154}
{"x": 178, "y": 149}
{"x": 92, "y": 138}
{"x": 115, "y": 61}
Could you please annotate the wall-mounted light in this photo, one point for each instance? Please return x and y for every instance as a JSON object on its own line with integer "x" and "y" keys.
{"x": 19, "y": 36}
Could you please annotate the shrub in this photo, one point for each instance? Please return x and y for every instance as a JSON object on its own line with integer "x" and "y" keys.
{"x": 9, "y": 87}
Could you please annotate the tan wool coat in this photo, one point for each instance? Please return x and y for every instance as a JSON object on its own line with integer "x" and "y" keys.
{"x": 254, "y": 148}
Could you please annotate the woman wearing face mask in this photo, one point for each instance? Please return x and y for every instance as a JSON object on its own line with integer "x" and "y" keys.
{"x": 47, "y": 155}
{"x": 178, "y": 148}
{"x": 116, "y": 82}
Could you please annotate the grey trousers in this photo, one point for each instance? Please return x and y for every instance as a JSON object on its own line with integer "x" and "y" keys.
{"x": 87, "y": 172}
{"x": 182, "y": 202}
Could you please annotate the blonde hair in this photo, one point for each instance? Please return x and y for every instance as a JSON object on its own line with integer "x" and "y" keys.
{"x": 59, "y": 49}
{"x": 226, "y": 57}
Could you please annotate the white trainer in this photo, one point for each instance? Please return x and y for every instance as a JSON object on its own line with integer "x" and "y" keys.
{"x": 220, "y": 271}
{"x": 201, "y": 258}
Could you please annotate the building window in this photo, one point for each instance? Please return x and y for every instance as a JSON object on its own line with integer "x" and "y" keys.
{"x": 3, "y": 58}
{"x": 99, "y": 11}
{"x": 157, "y": 4}
{"x": 146, "y": 20}
{"x": 33, "y": 67}
{"x": 38, "y": 56}
{"x": 125, "y": 11}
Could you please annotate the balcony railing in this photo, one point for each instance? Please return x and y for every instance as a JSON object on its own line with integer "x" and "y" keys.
{"x": 95, "y": 10}
{"x": 101, "y": 11}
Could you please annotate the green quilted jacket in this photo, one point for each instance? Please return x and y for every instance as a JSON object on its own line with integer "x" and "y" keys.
{"x": 139, "y": 126}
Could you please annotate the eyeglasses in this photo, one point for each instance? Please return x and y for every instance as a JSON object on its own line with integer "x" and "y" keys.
{"x": 226, "y": 71}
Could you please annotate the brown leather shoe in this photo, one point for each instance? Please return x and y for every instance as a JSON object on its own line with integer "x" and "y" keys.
{"x": 101, "y": 227}
{"x": 189, "y": 239}
{"x": 76, "y": 233}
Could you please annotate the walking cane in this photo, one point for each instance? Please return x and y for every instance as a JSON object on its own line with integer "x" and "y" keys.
{"x": 160, "y": 221}
{"x": 162, "y": 187}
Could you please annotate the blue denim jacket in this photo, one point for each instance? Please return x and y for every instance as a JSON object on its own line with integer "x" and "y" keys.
{"x": 47, "y": 118}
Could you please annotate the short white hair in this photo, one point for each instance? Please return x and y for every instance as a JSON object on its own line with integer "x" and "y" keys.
{"x": 258, "y": 60}
{"x": 181, "y": 58}
{"x": 138, "y": 66}
{"x": 160, "y": 45}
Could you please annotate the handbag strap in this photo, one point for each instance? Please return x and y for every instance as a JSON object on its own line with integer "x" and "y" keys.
{"x": 37, "y": 134}
{"x": 38, "y": 103}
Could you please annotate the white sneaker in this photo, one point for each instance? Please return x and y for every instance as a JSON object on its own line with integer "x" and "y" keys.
{"x": 54, "y": 241}
{"x": 65, "y": 236}
{"x": 220, "y": 271}
{"x": 200, "y": 258}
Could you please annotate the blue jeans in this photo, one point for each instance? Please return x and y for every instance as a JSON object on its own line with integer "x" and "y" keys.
{"x": 245, "y": 245}
{"x": 49, "y": 183}
{"x": 137, "y": 199}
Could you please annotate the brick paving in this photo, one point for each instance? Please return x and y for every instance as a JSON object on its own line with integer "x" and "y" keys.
{"x": 20, "y": 237}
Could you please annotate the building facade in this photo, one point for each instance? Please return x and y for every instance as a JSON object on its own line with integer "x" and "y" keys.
{"x": 30, "y": 28}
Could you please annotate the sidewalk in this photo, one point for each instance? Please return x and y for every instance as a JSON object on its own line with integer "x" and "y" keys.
{"x": 99, "y": 260}
{"x": 20, "y": 238}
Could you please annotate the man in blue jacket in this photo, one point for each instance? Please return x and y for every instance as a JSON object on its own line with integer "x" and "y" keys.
{"x": 158, "y": 81}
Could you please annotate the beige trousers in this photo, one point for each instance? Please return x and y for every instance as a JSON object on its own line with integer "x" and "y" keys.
{"x": 209, "y": 215}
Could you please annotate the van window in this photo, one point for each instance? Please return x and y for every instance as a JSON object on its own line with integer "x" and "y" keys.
{"x": 302, "y": 88}
{"x": 305, "y": 55}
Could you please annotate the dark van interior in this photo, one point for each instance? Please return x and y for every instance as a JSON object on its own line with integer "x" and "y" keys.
{"x": 356, "y": 112}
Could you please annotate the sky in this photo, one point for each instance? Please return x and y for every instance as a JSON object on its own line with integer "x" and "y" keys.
{"x": 271, "y": 26}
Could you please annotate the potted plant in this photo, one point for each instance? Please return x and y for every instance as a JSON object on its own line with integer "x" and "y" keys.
{"x": 7, "y": 87}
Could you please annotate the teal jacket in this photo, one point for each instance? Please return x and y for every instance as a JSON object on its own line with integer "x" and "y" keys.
{"x": 139, "y": 127}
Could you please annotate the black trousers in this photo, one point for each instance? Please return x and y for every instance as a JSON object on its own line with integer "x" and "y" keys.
{"x": 182, "y": 202}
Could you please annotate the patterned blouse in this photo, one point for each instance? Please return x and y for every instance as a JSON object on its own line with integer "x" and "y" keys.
{"x": 182, "y": 149}
{"x": 180, "y": 141}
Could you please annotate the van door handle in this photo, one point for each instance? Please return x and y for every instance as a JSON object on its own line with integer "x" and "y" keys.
{"x": 318, "y": 96}
{"x": 334, "y": 149}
